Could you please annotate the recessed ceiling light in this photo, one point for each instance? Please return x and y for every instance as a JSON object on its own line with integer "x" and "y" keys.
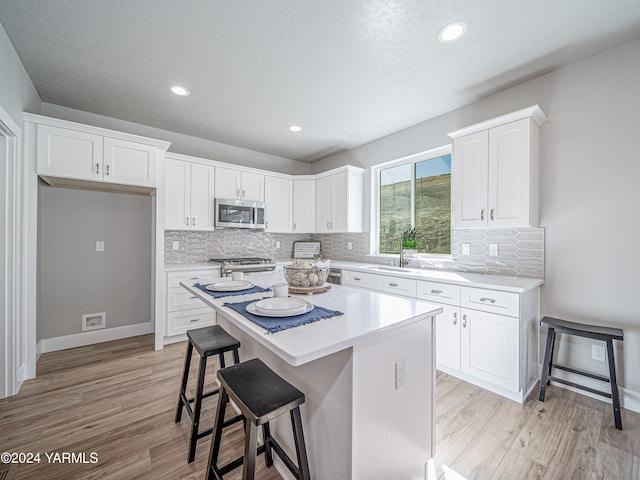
{"x": 295, "y": 128}
{"x": 452, "y": 32}
{"x": 178, "y": 90}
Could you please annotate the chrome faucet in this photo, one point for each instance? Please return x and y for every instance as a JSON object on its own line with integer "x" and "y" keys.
{"x": 402, "y": 262}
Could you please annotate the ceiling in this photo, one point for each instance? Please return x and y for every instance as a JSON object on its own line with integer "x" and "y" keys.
{"x": 347, "y": 71}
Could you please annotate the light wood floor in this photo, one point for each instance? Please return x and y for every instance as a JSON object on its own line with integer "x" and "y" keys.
{"x": 118, "y": 399}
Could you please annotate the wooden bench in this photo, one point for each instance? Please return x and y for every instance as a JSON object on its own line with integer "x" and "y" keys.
{"x": 605, "y": 334}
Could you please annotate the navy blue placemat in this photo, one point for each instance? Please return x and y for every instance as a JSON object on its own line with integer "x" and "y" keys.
{"x": 255, "y": 289}
{"x": 277, "y": 324}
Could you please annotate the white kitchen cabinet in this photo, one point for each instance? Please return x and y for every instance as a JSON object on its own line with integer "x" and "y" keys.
{"x": 82, "y": 155}
{"x": 339, "y": 201}
{"x": 404, "y": 287}
{"x": 184, "y": 310}
{"x": 239, "y": 184}
{"x": 495, "y": 171}
{"x": 448, "y": 338}
{"x": 304, "y": 206}
{"x": 278, "y": 199}
{"x": 189, "y": 195}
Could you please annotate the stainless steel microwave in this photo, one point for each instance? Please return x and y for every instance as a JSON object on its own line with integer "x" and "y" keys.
{"x": 239, "y": 213}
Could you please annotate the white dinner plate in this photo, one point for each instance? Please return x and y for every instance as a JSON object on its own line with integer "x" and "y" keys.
{"x": 251, "y": 308}
{"x": 290, "y": 305}
{"x": 229, "y": 286}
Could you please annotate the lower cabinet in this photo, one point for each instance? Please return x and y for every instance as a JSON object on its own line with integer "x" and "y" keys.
{"x": 485, "y": 337}
{"x": 184, "y": 310}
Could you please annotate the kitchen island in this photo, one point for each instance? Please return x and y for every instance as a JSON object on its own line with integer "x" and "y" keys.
{"x": 368, "y": 377}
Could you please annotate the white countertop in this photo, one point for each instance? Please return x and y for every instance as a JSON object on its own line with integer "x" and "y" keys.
{"x": 493, "y": 282}
{"x": 365, "y": 313}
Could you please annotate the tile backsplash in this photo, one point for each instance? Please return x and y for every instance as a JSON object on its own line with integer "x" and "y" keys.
{"x": 520, "y": 250}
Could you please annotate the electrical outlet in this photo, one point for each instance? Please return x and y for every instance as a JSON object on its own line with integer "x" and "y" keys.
{"x": 349, "y": 245}
{"x": 597, "y": 352}
{"x": 176, "y": 245}
{"x": 466, "y": 249}
{"x": 493, "y": 250}
{"x": 277, "y": 244}
{"x": 401, "y": 373}
{"x": 99, "y": 246}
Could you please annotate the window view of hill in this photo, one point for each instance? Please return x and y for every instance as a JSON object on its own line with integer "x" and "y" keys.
{"x": 432, "y": 210}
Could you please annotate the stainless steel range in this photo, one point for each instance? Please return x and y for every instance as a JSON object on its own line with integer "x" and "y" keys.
{"x": 244, "y": 264}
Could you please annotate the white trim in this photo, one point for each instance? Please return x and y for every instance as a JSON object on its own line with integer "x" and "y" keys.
{"x": 534, "y": 112}
{"x": 98, "y": 336}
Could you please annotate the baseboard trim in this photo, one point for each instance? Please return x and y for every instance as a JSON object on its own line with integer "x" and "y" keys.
{"x": 95, "y": 336}
{"x": 38, "y": 350}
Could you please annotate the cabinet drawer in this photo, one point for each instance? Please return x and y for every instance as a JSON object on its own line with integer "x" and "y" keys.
{"x": 359, "y": 279}
{"x": 503, "y": 303}
{"x": 179, "y": 299}
{"x": 398, "y": 286}
{"x": 438, "y": 292}
{"x": 190, "y": 277}
{"x": 180, "y": 322}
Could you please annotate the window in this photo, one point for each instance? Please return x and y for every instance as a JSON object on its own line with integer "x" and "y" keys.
{"x": 415, "y": 192}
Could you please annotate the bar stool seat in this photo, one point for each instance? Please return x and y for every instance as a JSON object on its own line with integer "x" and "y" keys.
{"x": 606, "y": 334}
{"x": 207, "y": 341}
{"x": 261, "y": 395}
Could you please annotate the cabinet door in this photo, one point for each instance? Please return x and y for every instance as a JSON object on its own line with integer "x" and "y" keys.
{"x": 304, "y": 206}
{"x": 69, "y": 154}
{"x": 202, "y": 197}
{"x": 227, "y": 183}
{"x": 340, "y": 202}
{"x": 470, "y": 180}
{"x": 278, "y": 194}
{"x": 252, "y": 186}
{"x": 129, "y": 163}
{"x": 323, "y": 204}
{"x": 489, "y": 348}
{"x": 176, "y": 207}
{"x": 448, "y": 337}
{"x": 509, "y": 175}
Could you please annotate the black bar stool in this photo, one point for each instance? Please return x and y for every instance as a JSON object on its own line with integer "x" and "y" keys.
{"x": 213, "y": 340}
{"x": 606, "y": 334}
{"x": 261, "y": 395}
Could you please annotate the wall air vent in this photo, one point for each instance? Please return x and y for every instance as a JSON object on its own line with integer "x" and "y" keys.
{"x": 94, "y": 321}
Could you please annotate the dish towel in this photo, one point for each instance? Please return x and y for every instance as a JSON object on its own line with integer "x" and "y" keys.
{"x": 254, "y": 289}
{"x": 277, "y": 324}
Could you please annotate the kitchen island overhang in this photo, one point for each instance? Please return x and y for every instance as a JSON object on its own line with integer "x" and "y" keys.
{"x": 368, "y": 377}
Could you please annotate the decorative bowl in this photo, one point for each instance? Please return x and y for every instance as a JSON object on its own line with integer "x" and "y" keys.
{"x": 310, "y": 276}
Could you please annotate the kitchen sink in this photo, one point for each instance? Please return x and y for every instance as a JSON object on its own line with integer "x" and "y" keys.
{"x": 390, "y": 269}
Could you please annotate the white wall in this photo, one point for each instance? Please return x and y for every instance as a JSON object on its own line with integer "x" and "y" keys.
{"x": 184, "y": 144}
{"x": 589, "y": 189}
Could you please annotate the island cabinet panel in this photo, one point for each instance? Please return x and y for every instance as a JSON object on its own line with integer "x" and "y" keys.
{"x": 185, "y": 310}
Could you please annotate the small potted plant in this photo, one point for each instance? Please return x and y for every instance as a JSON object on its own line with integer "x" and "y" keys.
{"x": 409, "y": 242}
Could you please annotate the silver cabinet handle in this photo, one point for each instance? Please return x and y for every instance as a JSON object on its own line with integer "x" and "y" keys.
{"x": 193, "y": 221}
{"x": 331, "y": 224}
{"x": 195, "y": 278}
{"x": 455, "y": 318}
{"x": 186, "y": 220}
{"x": 482, "y": 214}
{"x": 194, "y": 320}
{"x": 492, "y": 213}
{"x": 488, "y": 300}
{"x": 393, "y": 284}
{"x": 107, "y": 169}
{"x": 437, "y": 292}
{"x": 266, "y": 224}
{"x": 464, "y": 321}
{"x": 242, "y": 193}
{"x": 237, "y": 192}
{"x": 294, "y": 225}
{"x": 193, "y": 297}
{"x": 97, "y": 168}
{"x": 356, "y": 278}
{"x": 328, "y": 225}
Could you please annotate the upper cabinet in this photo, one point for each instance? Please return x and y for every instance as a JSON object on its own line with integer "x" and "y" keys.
{"x": 189, "y": 195}
{"x": 239, "y": 184}
{"x": 339, "y": 201}
{"x": 278, "y": 199}
{"x": 67, "y": 150}
{"x": 304, "y": 206}
{"x": 495, "y": 171}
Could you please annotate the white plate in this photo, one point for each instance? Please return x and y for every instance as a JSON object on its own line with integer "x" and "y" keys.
{"x": 229, "y": 286}
{"x": 251, "y": 308}
{"x": 290, "y": 305}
